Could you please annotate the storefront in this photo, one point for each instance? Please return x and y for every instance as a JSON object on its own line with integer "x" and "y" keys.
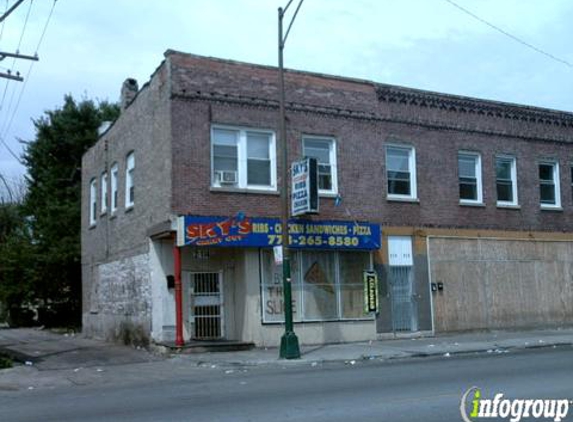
{"x": 231, "y": 285}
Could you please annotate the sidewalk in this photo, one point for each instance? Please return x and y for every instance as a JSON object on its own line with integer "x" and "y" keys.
{"x": 445, "y": 345}
{"x": 55, "y": 360}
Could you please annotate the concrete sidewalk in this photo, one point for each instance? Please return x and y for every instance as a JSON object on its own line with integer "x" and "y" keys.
{"x": 56, "y": 360}
{"x": 446, "y": 346}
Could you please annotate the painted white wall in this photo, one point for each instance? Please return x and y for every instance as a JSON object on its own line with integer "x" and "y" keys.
{"x": 163, "y": 299}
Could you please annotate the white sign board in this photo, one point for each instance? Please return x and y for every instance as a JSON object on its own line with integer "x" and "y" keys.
{"x": 304, "y": 199}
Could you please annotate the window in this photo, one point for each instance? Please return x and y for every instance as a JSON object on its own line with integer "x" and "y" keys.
{"x": 506, "y": 181}
{"x": 401, "y": 172}
{"x": 93, "y": 201}
{"x": 114, "y": 172}
{"x": 324, "y": 150}
{"x": 326, "y": 286}
{"x": 243, "y": 158}
{"x": 549, "y": 192}
{"x": 103, "y": 187}
{"x": 469, "y": 174}
{"x": 129, "y": 190}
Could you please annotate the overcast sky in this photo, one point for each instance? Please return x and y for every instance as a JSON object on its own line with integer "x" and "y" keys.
{"x": 91, "y": 46}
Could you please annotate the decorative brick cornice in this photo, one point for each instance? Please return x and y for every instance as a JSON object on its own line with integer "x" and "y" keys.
{"x": 360, "y": 115}
{"x": 466, "y": 105}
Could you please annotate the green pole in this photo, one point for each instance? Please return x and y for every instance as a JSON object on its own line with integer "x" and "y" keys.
{"x": 289, "y": 341}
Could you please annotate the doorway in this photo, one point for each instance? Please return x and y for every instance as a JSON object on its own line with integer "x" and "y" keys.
{"x": 402, "y": 287}
{"x": 206, "y": 306}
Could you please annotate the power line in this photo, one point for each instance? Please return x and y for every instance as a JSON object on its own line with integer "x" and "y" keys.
{"x": 27, "y": 78}
{"x": 12, "y": 153}
{"x": 17, "y": 50}
{"x": 14, "y": 64}
{"x": 507, "y": 34}
{"x": 3, "y": 22}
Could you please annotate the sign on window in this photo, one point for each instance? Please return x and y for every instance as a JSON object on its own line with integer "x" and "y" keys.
{"x": 370, "y": 292}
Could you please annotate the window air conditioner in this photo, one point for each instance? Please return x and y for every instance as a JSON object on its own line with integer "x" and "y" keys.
{"x": 227, "y": 177}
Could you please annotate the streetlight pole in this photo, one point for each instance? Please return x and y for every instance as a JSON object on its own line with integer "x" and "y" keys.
{"x": 289, "y": 341}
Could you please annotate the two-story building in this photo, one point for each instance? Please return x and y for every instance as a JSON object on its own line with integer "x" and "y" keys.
{"x": 462, "y": 206}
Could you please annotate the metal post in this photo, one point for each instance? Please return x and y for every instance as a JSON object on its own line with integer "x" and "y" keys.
{"x": 178, "y": 296}
{"x": 289, "y": 341}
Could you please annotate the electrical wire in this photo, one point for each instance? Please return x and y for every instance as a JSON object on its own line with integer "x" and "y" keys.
{"x": 3, "y": 22}
{"x": 14, "y": 65}
{"x": 14, "y": 59}
{"x": 507, "y": 34}
{"x": 12, "y": 153}
{"x": 27, "y": 78}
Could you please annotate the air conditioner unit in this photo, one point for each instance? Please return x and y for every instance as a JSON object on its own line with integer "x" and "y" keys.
{"x": 226, "y": 177}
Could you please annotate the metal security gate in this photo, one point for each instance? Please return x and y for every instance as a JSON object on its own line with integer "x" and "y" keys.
{"x": 206, "y": 306}
{"x": 401, "y": 280}
{"x": 404, "y": 312}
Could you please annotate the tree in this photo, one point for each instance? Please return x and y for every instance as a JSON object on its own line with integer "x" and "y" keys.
{"x": 52, "y": 209}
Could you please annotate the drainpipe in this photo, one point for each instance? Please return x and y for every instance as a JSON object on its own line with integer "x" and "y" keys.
{"x": 178, "y": 296}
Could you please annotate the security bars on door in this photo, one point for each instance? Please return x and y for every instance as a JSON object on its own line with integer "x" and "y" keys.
{"x": 207, "y": 304}
{"x": 403, "y": 299}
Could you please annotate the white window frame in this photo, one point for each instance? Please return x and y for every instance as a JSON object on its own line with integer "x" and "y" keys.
{"x": 332, "y": 156}
{"x": 556, "y": 184}
{"x": 114, "y": 197}
{"x": 242, "y": 158}
{"x": 478, "y": 172}
{"x": 411, "y": 168}
{"x": 103, "y": 192}
{"x": 93, "y": 202}
{"x": 129, "y": 169}
{"x": 513, "y": 161}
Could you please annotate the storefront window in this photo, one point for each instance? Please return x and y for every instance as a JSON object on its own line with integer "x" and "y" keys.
{"x": 272, "y": 294}
{"x": 326, "y": 286}
{"x": 352, "y": 266}
{"x": 319, "y": 294}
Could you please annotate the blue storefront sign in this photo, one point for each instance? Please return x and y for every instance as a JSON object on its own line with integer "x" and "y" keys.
{"x": 242, "y": 231}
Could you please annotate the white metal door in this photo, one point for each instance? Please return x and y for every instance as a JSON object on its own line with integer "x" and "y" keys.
{"x": 207, "y": 306}
{"x": 402, "y": 286}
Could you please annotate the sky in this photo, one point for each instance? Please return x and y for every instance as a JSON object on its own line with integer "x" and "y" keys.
{"x": 91, "y": 46}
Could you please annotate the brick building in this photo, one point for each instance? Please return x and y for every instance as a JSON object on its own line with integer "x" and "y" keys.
{"x": 473, "y": 199}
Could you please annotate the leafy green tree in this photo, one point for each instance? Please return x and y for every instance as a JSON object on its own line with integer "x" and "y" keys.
{"x": 52, "y": 206}
{"x": 17, "y": 252}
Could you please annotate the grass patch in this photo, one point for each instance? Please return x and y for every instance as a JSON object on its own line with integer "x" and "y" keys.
{"x": 5, "y": 362}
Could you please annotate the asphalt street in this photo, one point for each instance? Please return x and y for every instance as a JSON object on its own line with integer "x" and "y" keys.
{"x": 426, "y": 389}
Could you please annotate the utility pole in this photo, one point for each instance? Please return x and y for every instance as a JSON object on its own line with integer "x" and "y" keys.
{"x": 289, "y": 341}
{"x": 17, "y": 55}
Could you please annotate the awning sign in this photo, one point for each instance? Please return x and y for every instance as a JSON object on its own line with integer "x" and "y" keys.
{"x": 370, "y": 292}
{"x": 244, "y": 231}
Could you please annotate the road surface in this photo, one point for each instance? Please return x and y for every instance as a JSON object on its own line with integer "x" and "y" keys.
{"x": 427, "y": 389}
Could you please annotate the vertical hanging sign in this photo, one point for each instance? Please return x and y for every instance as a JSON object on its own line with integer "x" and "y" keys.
{"x": 304, "y": 199}
{"x": 370, "y": 292}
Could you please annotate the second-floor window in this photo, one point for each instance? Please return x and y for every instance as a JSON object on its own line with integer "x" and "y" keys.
{"x": 469, "y": 174}
{"x": 243, "y": 158}
{"x": 93, "y": 201}
{"x": 129, "y": 189}
{"x": 103, "y": 187}
{"x": 549, "y": 192}
{"x": 506, "y": 180}
{"x": 324, "y": 150}
{"x": 401, "y": 172}
{"x": 114, "y": 174}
